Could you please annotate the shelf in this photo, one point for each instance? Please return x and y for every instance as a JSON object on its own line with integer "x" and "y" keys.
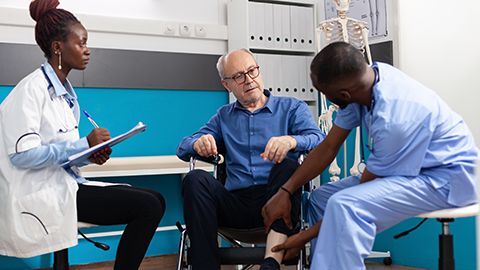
{"x": 281, "y": 51}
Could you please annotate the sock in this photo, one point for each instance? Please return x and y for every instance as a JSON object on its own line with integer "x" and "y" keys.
{"x": 270, "y": 264}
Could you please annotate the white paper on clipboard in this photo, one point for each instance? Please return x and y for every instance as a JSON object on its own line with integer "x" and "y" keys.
{"x": 77, "y": 158}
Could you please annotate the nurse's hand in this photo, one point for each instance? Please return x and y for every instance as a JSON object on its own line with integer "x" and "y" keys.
{"x": 98, "y": 135}
{"x": 278, "y": 206}
{"x": 101, "y": 156}
{"x": 293, "y": 245}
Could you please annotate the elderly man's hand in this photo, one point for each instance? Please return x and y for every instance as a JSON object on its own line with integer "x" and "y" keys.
{"x": 205, "y": 146}
{"x": 278, "y": 147}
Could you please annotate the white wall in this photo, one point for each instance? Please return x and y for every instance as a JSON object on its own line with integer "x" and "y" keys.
{"x": 127, "y": 24}
{"x": 168, "y": 10}
{"x": 439, "y": 46}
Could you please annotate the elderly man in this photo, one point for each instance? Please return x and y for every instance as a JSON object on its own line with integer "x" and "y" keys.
{"x": 422, "y": 159}
{"x": 256, "y": 132}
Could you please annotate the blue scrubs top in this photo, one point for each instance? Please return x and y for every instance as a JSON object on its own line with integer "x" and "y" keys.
{"x": 415, "y": 133}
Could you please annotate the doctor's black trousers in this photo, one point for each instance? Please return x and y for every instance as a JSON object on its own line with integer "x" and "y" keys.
{"x": 140, "y": 208}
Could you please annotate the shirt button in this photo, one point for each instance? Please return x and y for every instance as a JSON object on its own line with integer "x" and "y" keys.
{"x": 253, "y": 169}
{"x": 251, "y": 116}
{"x": 255, "y": 183}
{"x": 251, "y": 133}
{"x": 252, "y": 152}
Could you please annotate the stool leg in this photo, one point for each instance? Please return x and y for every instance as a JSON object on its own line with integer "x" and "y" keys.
{"x": 60, "y": 260}
{"x": 446, "y": 260}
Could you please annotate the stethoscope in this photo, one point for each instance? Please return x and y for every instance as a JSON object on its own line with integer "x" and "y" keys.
{"x": 362, "y": 165}
{"x": 65, "y": 128}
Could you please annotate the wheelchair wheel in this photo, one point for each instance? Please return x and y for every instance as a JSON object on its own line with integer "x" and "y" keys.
{"x": 182, "y": 262}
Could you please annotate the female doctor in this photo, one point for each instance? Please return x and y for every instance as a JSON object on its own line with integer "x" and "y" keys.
{"x": 39, "y": 200}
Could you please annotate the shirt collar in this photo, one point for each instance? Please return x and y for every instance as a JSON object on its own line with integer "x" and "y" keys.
{"x": 59, "y": 88}
{"x": 268, "y": 104}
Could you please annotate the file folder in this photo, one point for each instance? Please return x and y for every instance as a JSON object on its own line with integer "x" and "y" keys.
{"x": 77, "y": 158}
{"x": 302, "y": 31}
{"x": 252, "y": 24}
{"x": 287, "y": 75}
{"x": 286, "y": 39}
{"x": 310, "y": 29}
{"x": 303, "y": 77}
{"x": 312, "y": 92}
{"x": 259, "y": 20}
{"x": 294, "y": 76}
{"x": 269, "y": 79}
{"x": 295, "y": 26}
{"x": 268, "y": 25}
{"x": 262, "y": 63}
{"x": 278, "y": 75}
{"x": 277, "y": 26}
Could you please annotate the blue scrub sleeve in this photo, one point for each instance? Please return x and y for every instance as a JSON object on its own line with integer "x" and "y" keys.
{"x": 348, "y": 118}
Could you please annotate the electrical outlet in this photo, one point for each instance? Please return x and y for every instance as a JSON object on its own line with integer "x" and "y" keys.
{"x": 185, "y": 29}
{"x": 200, "y": 31}
{"x": 170, "y": 28}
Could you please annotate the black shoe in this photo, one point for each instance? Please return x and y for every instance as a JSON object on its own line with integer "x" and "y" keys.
{"x": 270, "y": 264}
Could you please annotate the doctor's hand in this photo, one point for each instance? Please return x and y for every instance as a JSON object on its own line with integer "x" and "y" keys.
{"x": 278, "y": 206}
{"x": 98, "y": 135}
{"x": 205, "y": 146}
{"x": 101, "y": 156}
{"x": 278, "y": 147}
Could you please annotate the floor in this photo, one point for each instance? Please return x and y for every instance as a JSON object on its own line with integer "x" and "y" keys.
{"x": 168, "y": 262}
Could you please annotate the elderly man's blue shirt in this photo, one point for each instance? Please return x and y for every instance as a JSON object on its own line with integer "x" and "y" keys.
{"x": 244, "y": 136}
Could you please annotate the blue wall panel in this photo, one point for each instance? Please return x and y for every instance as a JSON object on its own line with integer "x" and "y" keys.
{"x": 169, "y": 115}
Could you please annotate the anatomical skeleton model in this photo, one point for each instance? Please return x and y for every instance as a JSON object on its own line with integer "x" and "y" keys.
{"x": 354, "y": 32}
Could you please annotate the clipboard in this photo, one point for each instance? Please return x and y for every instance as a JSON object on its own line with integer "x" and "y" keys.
{"x": 77, "y": 158}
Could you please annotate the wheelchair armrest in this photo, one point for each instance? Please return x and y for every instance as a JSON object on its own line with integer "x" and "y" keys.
{"x": 214, "y": 160}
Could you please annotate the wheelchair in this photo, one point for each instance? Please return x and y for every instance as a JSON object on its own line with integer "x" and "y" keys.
{"x": 247, "y": 245}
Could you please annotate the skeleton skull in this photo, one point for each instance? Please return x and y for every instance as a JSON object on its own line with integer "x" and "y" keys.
{"x": 342, "y": 5}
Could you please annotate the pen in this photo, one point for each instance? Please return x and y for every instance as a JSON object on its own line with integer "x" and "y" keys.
{"x": 90, "y": 118}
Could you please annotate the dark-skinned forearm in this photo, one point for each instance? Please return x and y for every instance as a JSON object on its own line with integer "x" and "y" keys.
{"x": 312, "y": 232}
{"x": 314, "y": 164}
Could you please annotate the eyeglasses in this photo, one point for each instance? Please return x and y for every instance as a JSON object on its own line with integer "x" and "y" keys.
{"x": 241, "y": 77}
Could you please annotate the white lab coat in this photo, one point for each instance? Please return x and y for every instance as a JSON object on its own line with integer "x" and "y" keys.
{"x": 37, "y": 207}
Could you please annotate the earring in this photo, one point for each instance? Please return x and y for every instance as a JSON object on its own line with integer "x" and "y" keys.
{"x": 59, "y": 60}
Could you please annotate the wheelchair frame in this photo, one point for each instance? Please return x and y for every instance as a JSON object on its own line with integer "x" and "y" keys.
{"x": 244, "y": 257}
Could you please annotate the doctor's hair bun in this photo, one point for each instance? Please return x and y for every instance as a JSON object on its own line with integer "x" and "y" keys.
{"x": 53, "y": 24}
{"x": 38, "y": 8}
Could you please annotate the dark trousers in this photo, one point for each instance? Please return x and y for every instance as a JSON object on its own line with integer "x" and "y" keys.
{"x": 207, "y": 204}
{"x": 140, "y": 208}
